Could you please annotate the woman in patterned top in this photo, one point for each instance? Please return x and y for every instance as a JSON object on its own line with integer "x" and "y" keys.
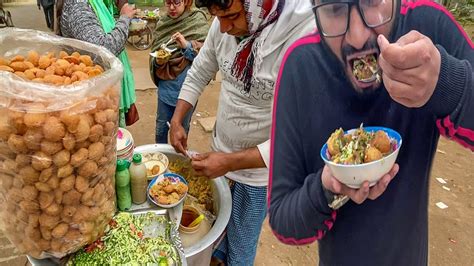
{"x": 93, "y": 22}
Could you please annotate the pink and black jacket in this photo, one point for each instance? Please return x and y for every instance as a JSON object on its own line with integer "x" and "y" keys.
{"x": 313, "y": 97}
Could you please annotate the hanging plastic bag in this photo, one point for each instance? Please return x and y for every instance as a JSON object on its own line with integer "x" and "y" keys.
{"x": 59, "y": 101}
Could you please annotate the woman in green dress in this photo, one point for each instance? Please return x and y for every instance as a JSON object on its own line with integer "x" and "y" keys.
{"x": 92, "y": 21}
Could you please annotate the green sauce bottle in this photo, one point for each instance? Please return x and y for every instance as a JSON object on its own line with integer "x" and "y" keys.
{"x": 122, "y": 185}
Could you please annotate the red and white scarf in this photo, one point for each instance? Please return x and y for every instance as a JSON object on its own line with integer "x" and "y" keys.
{"x": 249, "y": 58}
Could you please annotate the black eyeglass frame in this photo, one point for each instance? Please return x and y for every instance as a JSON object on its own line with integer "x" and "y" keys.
{"x": 349, "y": 3}
{"x": 173, "y": 2}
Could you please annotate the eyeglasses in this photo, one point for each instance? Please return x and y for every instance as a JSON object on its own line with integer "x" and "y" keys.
{"x": 333, "y": 18}
{"x": 173, "y": 2}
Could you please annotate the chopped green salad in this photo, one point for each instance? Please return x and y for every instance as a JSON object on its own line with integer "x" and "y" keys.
{"x": 359, "y": 147}
{"x": 127, "y": 243}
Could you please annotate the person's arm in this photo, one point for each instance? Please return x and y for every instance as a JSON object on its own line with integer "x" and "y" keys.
{"x": 216, "y": 164}
{"x": 453, "y": 98}
{"x": 298, "y": 208}
{"x": 203, "y": 69}
{"x": 430, "y": 67}
{"x": 85, "y": 26}
{"x": 191, "y": 50}
{"x": 182, "y": 108}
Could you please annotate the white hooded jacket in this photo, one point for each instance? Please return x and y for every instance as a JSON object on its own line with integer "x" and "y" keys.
{"x": 244, "y": 119}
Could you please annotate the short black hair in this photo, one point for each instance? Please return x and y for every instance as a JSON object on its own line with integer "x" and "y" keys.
{"x": 221, "y": 4}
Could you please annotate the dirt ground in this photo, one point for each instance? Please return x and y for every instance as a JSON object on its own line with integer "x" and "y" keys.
{"x": 451, "y": 237}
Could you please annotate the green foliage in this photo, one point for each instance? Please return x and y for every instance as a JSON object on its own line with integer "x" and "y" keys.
{"x": 462, "y": 10}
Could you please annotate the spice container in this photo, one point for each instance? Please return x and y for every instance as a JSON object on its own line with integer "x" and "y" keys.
{"x": 191, "y": 235}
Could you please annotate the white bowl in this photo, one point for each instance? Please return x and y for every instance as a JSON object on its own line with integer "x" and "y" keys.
{"x": 354, "y": 175}
{"x": 174, "y": 178}
{"x": 151, "y": 159}
{"x": 124, "y": 141}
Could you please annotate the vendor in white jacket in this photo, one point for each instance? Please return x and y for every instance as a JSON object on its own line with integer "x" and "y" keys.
{"x": 246, "y": 42}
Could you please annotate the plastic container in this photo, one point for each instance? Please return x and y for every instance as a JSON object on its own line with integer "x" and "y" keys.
{"x": 122, "y": 183}
{"x": 139, "y": 180}
{"x": 189, "y": 215}
{"x": 191, "y": 235}
{"x": 57, "y": 142}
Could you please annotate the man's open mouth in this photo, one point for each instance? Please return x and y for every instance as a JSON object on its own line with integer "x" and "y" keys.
{"x": 364, "y": 67}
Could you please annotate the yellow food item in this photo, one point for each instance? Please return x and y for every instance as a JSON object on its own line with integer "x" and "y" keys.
{"x": 64, "y": 70}
{"x": 162, "y": 54}
{"x": 381, "y": 141}
{"x": 199, "y": 186}
{"x": 6, "y": 68}
{"x": 358, "y": 147}
{"x": 166, "y": 192}
{"x": 33, "y": 57}
{"x": 155, "y": 170}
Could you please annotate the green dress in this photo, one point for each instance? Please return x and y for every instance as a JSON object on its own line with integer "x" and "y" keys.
{"x": 104, "y": 10}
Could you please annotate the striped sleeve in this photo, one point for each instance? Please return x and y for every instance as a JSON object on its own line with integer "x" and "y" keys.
{"x": 453, "y": 98}
{"x": 83, "y": 24}
{"x": 458, "y": 125}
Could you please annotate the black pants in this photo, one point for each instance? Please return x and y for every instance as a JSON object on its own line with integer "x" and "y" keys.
{"x": 49, "y": 15}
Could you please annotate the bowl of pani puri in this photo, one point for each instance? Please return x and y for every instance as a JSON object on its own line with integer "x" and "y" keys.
{"x": 167, "y": 190}
{"x": 361, "y": 154}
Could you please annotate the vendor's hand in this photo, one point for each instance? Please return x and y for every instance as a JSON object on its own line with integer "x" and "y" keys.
{"x": 211, "y": 164}
{"x": 364, "y": 192}
{"x": 128, "y": 10}
{"x": 178, "y": 137}
{"x": 410, "y": 68}
{"x": 180, "y": 40}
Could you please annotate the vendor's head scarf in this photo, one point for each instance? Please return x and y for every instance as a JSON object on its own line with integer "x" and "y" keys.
{"x": 249, "y": 58}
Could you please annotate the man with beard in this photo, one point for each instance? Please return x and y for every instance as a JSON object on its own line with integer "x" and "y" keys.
{"x": 246, "y": 43}
{"x": 422, "y": 86}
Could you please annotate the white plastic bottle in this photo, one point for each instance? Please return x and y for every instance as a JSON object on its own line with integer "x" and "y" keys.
{"x": 138, "y": 179}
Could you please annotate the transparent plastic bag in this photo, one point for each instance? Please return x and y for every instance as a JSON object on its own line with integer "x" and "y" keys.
{"x": 57, "y": 145}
